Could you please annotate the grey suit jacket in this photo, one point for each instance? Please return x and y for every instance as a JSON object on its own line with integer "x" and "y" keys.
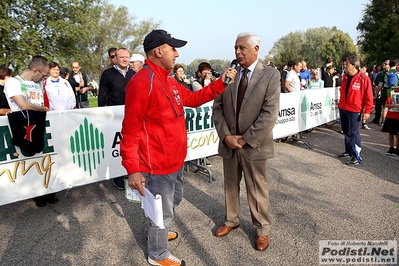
{"x": 258, "y": 114}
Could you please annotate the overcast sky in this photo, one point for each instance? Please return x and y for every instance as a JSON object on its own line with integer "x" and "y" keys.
{"x": 211, "y": 27}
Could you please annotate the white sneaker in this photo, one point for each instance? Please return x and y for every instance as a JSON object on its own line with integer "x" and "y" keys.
{"x": 170, "y": 261}
{"x": 366, "y": 127}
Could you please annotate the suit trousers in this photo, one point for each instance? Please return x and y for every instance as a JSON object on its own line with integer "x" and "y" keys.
{"x": 255, "y": 177}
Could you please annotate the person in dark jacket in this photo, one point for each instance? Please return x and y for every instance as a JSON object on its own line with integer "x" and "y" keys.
{"x": 329, "y": 77}
{"x": 114, "y": 80}
{"x": 112, "y": 90}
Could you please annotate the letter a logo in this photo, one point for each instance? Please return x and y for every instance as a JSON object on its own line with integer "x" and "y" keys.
{"x": 29, "y": 129}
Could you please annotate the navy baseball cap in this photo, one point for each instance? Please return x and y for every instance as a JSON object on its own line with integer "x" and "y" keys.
{"x": 159, "y": 37}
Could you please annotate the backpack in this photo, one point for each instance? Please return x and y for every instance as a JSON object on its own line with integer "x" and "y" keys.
{"x": 392, "y": 78}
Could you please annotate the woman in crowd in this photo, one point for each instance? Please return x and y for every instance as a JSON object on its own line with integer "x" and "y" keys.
{"x": 59, "y": 91}
{"x": 203, "y": 76}
{"x": 61, "y": 97}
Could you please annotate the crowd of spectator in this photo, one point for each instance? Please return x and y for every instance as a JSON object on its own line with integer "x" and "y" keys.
{"x": 384, "y": 86}
{"x": 48, "y": 86}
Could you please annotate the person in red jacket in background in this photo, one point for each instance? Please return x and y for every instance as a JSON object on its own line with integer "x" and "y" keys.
{"x": 154, "y": 135}
{"x": 356, "y": 97}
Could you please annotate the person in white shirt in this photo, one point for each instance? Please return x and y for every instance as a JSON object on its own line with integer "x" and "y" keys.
{"x": 292, "y": 82}
{"x": 59, "y": 92}
{"x": 25, "y": 91}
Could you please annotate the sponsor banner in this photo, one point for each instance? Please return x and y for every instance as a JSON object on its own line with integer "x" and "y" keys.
{"x": 317, "y": 107}
{"x": 367, "y": 252}
{"x": 82, "y": 146}
{"x": 202, "y": 138}
{"x": 287, "y": 122}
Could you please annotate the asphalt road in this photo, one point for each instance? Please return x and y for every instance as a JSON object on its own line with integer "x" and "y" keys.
{"x": 314, "y": 196}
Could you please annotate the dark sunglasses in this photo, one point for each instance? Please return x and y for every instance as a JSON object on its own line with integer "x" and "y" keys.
{"x": 112, "y": 56}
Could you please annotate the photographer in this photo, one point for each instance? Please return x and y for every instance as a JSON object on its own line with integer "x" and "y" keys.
{"x": 203, "y": 76}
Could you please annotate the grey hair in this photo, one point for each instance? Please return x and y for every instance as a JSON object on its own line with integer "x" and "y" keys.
{"x": 354, "y": 61}
{"x": 253, "y": 39}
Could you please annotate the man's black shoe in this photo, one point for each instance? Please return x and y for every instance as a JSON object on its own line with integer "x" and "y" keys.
{"x": 391, "y": 151}
{"x": 353, "y": 162}
{"x": 40, "y": 201}
{"x": 119, "y": 182}
{"x": 52, "y": 198}
{"x": 344, "y": 154}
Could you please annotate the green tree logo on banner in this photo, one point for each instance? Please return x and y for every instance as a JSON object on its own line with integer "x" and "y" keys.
{"x": 87, "y": 147}
{"x": 327, "y": 100}
{"x": 304, "y": 109}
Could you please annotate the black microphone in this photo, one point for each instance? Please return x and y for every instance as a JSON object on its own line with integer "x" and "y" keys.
{"x": 233, "y": 64}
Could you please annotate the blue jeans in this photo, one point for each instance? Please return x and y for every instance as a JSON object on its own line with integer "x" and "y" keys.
{"x": 170, "y": 187}
{"x": 350, "y": 124}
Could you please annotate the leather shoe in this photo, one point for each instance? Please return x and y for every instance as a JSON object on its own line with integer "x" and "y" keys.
{"x": 224, "y": 230}
{"x": 262, "y": 242}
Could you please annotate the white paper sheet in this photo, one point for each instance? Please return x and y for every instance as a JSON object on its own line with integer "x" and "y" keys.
{"x": 151, "y": 204}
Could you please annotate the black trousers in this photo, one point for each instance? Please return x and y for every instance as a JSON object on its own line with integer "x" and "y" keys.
{"x": 379, "y": 104}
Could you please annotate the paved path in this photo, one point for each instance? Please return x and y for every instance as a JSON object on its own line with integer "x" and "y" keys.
{"x": 314, "y": 196}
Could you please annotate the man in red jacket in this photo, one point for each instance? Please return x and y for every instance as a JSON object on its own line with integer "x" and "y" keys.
{"x": 154, "y": 143}
{"x": 356, "y": 97}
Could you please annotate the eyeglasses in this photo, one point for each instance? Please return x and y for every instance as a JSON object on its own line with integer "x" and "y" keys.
{"x": 112, "y": 56}
{"x": 43, "y": 76}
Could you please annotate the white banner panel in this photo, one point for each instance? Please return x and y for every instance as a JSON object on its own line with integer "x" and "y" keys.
{"x": 287, "y": 122}
{"x": 82, "y": 146}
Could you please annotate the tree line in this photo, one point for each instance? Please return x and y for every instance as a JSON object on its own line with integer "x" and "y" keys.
{"x": 83, "y": 31}
{"x": 67, "y": 31}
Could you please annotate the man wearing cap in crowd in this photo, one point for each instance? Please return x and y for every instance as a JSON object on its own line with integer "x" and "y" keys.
{"x": 154, "y": 143}
{"x": 136, "y": 62}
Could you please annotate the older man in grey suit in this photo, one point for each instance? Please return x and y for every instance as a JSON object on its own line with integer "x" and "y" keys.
{"x": 245, "y": 114}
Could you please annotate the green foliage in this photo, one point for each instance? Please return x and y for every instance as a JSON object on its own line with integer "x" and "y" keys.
{"x": 93, "y": 102}
{"x": 117, "y": 28}
{"x": 217, "y": 64}
{"x": 45, "y": 27}
{"x": 339, "y": 44}
{"x": 379, "y": 34}
{"x": 67, "y": 30}
{"x": 314, "y": 46}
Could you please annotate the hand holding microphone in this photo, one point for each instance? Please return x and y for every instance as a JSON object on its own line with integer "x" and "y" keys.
{"x": 230, "y": 73}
